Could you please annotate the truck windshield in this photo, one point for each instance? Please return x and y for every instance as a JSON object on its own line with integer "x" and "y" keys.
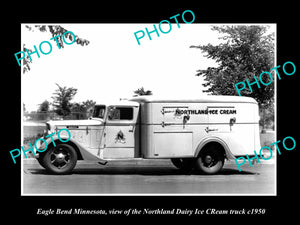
{"x": 99, "y": 111}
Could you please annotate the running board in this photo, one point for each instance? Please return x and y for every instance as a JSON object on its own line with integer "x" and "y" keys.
{"x": 102, "y": 162}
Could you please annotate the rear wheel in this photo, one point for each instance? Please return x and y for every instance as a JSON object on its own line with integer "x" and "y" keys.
{"x": 184, "y": 164}
{"x": 60, "y": 159}
{"x": 210, "y": 160}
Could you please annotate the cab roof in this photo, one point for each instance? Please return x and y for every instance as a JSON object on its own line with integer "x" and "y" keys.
{"x": 119, "y": 103}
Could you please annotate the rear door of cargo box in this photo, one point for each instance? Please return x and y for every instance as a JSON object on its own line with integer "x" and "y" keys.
{"x": 235, "y": 122}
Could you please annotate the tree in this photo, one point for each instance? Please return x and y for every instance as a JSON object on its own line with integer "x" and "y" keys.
{"x": 54, "y": 30}
{"x": 141, "y": 91}
{"x": 246, "y": 52}
{"x": 83, "y": 108}
{"x": 62, "y": 98}
{"x": 44, "y": 106}
{"x": 88, "y": 104}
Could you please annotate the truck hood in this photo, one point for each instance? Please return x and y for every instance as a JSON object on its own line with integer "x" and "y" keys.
{"x": 92, "y": 122}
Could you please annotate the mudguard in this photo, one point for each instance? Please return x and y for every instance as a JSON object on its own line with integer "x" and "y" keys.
{"x": 207, "y": 140}
{"x": 85, "y": 154}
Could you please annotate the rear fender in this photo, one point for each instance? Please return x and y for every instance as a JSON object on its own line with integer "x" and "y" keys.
{"x": 205, "y": 141}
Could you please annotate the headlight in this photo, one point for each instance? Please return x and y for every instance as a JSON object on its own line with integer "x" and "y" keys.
{"x": 45, "y": 133}
{"x": 47, "y": 130}
{"x": 48, "y": 126}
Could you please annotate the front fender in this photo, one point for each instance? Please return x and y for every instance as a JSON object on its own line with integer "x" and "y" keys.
{"x": 80, "y": 149}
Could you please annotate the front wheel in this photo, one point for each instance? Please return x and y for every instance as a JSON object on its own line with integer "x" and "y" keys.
{"x": 210, "y": 160}
{"x": 60, "y": 159}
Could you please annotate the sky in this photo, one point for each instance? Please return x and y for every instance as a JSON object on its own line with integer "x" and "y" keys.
{"x": 113, "y": 65}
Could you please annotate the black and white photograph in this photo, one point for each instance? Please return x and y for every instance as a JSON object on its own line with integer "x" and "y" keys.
{"x": 143, "y": 109}
{"x": 163, "y": 112}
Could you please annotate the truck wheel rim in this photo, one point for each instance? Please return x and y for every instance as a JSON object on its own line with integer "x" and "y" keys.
{"x": 210, "y": 160}
{"x": 60, "y": 157}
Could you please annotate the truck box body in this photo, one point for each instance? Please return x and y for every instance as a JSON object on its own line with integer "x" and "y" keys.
{"x": 231, "y": 120}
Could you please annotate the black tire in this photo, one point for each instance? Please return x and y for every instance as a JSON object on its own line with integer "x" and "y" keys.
{"x": 60, "y": 159}
{"x": 40, "y": 160}
{"x": 184, "y": 164}
{"x": 210, "y": 160}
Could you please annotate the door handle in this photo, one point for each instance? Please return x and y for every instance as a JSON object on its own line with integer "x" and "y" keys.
{"x": 163, "y": 124}
{"x": 132, "y": 129}
{"x": 208, "y": 130}
{"x": 231, "y": 122}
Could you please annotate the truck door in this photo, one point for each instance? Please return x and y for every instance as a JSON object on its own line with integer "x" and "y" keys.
{"x": 121, "y": 133}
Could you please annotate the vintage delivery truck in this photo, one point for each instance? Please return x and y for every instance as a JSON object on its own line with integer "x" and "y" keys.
{"x": 194, "y": 134}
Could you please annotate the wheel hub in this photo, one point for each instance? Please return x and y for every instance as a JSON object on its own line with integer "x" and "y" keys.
{"x": 208, "y": 159}
{"x": 60, "y": 157}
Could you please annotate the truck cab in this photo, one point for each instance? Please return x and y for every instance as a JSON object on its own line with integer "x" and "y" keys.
{"x": 121, "y": 126}
{"x": 195, "y": 134}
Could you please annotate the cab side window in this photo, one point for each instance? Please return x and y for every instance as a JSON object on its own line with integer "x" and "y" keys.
{"x": 120, "y": 113}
